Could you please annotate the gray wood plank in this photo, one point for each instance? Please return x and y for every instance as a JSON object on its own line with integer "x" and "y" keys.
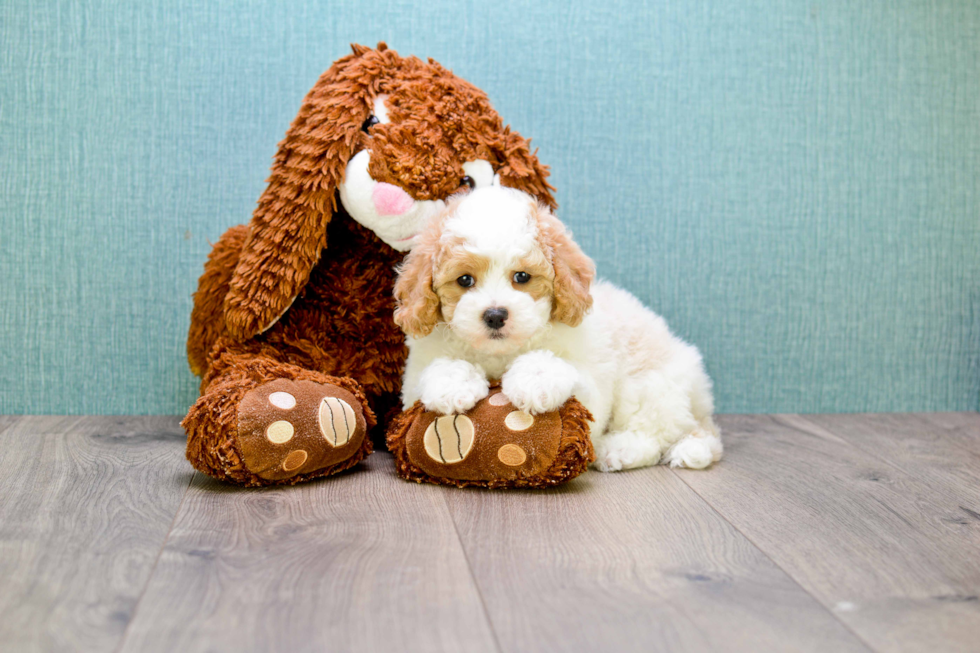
{"x": 7, "y": 421}
{"x": 879, "y": 546}
{"x": 940, "y": 448}
{"x": 632, "y": 561}
{"x": 85, "y": 506}
{"x": 359, "y": 561}
{"x": 964, "y": 427}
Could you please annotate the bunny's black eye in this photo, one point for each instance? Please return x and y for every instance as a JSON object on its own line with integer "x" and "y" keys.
{"x": 466, "y": 281}
{"x": 467, "y": 181}
{"x": 370, "y": 122}
{"x": 521, "y": 277}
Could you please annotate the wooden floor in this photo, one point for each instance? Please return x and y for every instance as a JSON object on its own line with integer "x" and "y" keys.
{"x": 817, "y": 533}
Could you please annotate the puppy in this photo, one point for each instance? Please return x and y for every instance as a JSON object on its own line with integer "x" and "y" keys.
{"x": 496, "y": 289}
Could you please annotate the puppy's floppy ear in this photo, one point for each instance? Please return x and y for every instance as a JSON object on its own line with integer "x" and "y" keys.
{"x": 520, "y": 167}
{"x": 417, "y": 311}
{"x": 288, "y": 230}
{"x": 574, "y": 271}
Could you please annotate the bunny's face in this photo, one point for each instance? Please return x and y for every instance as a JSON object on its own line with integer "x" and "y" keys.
{"x": 429, "y": 135}
{"x": 382, "y": 188}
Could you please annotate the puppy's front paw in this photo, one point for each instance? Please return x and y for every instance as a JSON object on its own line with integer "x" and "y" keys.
{"x": 539, "y": 382}
{"x": 452, "y": 386}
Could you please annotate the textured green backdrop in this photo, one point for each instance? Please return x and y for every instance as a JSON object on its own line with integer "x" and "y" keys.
{"x": 794, "y": 185}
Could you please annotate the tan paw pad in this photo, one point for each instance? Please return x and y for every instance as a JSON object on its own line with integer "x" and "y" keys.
{"x": 282, "y": 400}
{"x": 336, "y": 421}
{"x": 279, "y": 432}
{"x": 294, "y": 460}
{"x": 449, "y": 438}
{"x": 518, "y": 420}
{"x": 499, "y": 399}
{"x": 511, "y": 455}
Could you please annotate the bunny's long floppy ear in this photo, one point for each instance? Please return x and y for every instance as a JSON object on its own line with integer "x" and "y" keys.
{"x": 288, "y": 231}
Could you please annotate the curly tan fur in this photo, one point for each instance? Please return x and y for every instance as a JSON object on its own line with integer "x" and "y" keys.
{"x": 305, "y": 290}
{"x": 574, "y": 271}
{"x": 417, "y": 304}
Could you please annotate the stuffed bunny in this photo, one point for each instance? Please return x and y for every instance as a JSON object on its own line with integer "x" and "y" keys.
{"x": 292, "y": 329}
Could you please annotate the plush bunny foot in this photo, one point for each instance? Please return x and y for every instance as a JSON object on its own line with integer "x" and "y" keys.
{"x": 291, "y": 429}
{"x": 493, "y": 445}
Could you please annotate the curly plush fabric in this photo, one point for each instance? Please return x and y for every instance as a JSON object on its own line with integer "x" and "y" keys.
{"x": 305, "y": 292}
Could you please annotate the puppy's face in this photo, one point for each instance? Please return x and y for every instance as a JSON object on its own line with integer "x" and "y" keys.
{"x": 494, "y": 282}
{"x": 497, "y": 268}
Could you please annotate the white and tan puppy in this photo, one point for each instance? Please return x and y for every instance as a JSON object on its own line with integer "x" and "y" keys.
{"x": 496, "y": 289}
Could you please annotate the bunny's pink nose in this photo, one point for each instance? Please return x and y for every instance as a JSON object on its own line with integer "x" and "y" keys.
{"x": 391, "y": 200}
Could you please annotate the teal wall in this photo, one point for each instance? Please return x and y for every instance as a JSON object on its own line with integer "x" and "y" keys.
{"x": 794, "y": 185}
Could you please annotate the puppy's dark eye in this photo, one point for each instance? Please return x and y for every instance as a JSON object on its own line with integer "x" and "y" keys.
{"x": 370, "y": 122}
{"x": 467, "y": 181}
{"x": 466, "y": 281}
{"x": 521, "y": 277}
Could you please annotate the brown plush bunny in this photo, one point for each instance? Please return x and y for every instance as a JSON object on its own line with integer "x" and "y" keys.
{"x": 292, "y": 329}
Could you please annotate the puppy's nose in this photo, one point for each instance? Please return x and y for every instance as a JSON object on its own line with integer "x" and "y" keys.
{"x": 495, "y": 317}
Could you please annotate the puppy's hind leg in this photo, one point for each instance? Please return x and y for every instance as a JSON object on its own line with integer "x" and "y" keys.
{"x": 625, "y": 450}
{"x": 650, "y": 414}
{"x": 702, "y": 446}
{"x": 697, "y": 450}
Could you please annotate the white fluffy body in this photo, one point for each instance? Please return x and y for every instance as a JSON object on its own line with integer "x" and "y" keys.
{"x": 646, "y": 388}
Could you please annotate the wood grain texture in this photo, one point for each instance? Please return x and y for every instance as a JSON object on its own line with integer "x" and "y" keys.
{"x": 7, "y": 420}
{"x": 631, "y": 562}
{"x": 361, "y": 561}
{"x": 822, "y": 533}
{"x": 942, "y": 449}
{"x": 85, "y": 506}
{"x": 889, "y": 552}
